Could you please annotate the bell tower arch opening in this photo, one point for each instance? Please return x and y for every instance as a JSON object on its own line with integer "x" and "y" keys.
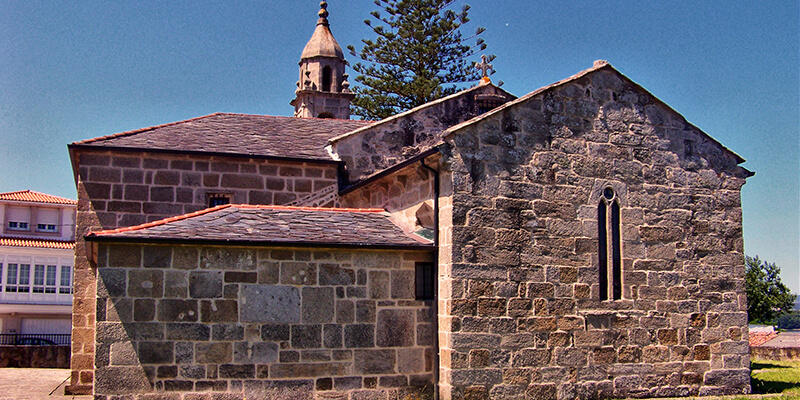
{"x": 322, "y": 90}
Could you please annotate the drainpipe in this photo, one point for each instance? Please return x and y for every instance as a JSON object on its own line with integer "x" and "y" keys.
{"x": 436, "y": 280}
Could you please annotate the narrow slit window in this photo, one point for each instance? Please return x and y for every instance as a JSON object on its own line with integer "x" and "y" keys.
{"x": 326, "y": 79}
{"x": 602, "y": 249}
{"x": 616, "y": 251}
{"x": 425, "y": 281}
{"x": 609, "y": 246}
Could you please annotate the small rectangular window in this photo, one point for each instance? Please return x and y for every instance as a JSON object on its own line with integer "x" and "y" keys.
{"x": 65, "y": 284}
{"x": 11, "y": 278}
{"x": 18, "y": 225}
{"x": 38, "y": 279}
{"x": 218, "y": 199}
{"x": 45, "y": 227}
{"x": 50, "y": 279}
{"x": 425, "y": 280}
{"x": 24, "y": 278}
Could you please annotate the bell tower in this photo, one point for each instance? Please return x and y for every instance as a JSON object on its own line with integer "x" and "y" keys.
{"x": 323, "y": 90}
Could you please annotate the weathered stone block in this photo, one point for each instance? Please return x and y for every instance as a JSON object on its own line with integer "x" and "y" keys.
{"x": 213, "y": 352}
{"x": 395, "y": 328}
{"x": 176, "y": 284}
{"x": 174, "y": 310}
{"x": 237, "y": 371}
{"x": 275, "y": 332}
{"x": 318, "y": 305}
{"x": 111, "y": 282}
{"x": 188, "y": 332}
{"x": 269, "y": 303}
{"x": 306, "y": 336}
{"x": 157, "y": 257}
{"x": 335, "y": 275}
{"x": 255, "y": 353}
{"x": 227, "y": 332}
{"x": 156, "y": 352}
{"x": 144, "y": 310}
{"x": 145, "y": 283}
{"x": 121, "y": 380}
{"x": 205, "y": 284}
{"x": 298, "y": 273}
{"x": 359, "y": 335}
{"x": 123, "y": 353}
{"x": 374, "y": 362}
{"x": 241, "y": 277}
{"x": 219, "y": 311}
{"x": 228, "y": 259}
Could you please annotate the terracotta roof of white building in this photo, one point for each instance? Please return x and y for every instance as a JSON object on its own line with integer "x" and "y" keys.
{"x": 30, "y": 196}
{"x": 39, "y": 243}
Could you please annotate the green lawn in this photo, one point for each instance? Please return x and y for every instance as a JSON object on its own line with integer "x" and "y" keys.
{"x": 776, "y": 377}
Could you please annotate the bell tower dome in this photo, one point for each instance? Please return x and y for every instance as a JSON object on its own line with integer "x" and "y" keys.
{"x": 323, "y": 90}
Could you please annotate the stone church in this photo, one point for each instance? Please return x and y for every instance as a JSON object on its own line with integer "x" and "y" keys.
{"x": 581, "y": 241}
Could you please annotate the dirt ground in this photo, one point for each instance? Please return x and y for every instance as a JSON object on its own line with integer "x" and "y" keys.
{"x": 34, "y": 384}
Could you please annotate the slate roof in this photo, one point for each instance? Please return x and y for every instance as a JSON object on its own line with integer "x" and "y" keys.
{"x": 235, "y": 134}
{"x": 30, "y": 196}
{"x": 272, "y": 225}
{"x": 39, "y": 243}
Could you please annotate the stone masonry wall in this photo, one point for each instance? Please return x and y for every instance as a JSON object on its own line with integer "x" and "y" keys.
{"x": 187, "y": 322}
{"x": 117, "y": 190}
{"x": 398, "y": 191}
{"x": 405, "y": 135}
{"x": 520, "y": 309}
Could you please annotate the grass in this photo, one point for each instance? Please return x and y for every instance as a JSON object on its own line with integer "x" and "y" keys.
{"x": 776, "y": 377}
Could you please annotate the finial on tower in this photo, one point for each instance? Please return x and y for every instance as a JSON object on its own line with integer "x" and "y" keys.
{"x": 323, "y": 13}
{"x": 485, "y": 67}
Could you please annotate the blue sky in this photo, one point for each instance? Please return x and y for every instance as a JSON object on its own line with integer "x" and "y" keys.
{"x": 72, "y": 70}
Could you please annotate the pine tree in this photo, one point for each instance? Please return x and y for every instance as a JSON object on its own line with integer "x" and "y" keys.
{"x": 767, "y": 296}
{"x": 419, "y": 55}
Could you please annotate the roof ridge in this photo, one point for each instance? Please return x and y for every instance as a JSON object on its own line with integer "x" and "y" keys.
{"x": 142, "y": 130}
{"x": 307, "y": 208}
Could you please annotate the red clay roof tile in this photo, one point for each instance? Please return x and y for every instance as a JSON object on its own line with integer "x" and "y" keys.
{"x": 39, "y": 243}
{"x": 35, "y": 197}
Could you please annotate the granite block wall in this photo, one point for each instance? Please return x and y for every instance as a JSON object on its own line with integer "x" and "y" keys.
{"x": 125, "y": 189}
{"x": 521, "y": 307}
{"x": 188, "y": 322}
{"x": 408, "y": 134}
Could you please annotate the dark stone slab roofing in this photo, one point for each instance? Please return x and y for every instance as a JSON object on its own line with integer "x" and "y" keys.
{"x": 235, "y": 134}
{"x": 272, "y": 225}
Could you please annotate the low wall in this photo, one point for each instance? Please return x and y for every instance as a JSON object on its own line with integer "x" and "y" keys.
{"x": 34, "y": 356}
{"x": 246, "y": 323}
{"x": 775, "y": 353}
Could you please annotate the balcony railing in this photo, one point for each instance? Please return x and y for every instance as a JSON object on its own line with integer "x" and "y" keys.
{"x": 35, "y": 339}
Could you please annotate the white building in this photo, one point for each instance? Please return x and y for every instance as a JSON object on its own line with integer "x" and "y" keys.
{"x": 37, "y": 246}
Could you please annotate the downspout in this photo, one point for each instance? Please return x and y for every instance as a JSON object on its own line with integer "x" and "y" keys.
{"x": 436, "y": 280}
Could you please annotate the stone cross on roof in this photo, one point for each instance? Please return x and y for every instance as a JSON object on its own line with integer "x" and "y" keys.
{"x": 484, "y": 66}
